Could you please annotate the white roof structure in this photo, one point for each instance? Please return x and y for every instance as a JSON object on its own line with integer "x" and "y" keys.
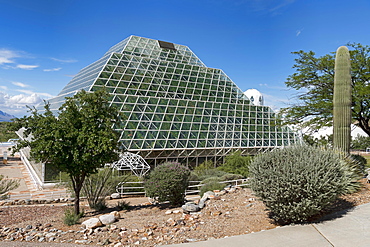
{"x": 133, "y": 162}
{"x": 254, "y": 96}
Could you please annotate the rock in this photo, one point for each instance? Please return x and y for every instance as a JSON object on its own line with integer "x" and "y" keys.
{"x": 171, "y": 222}
{"x": 29, "y": 238}
{"x": 50, "y": 234}
{"x": 116, "y": 214}
{"x": 190, "y": 207}
{"x": 168, "y": 212}
{"x": 81, "y": 241}
{"x": 92, "y": 223}
{"x": 207, "y": 195}
{"x": 201, "y": 204}
{"x": 107, "y": 219}
{"x": 118, "y": 245}
{"x": 41, "y": 239}
{"x": 115, "y": 196}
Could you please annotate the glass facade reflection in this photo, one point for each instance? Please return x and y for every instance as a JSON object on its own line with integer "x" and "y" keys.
{"x": 176, "y": 107}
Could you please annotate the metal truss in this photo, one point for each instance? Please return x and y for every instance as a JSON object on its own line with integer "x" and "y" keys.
{"x": 132, "y": 162}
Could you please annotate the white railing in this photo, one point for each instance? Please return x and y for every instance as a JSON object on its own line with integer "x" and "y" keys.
{"x": 51, "y": 195}
{"x": 192, "y": 189}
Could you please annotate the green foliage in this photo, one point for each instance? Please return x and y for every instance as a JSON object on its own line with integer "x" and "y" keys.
{"x": 7, "y": 185}
{"x": 342, "y": 100}
{"x": 123, "y": 205}
{"x": 97, "y": 186}
{"x": 211, "y": 180}
{"x": 70, "y": 217}
{"x": 236, "y": 164}
{"x": 361, "y": 162}
{"x": 210, "y": 173}
{"x": 168, "y": 182}
{"x": 298, "y": 182}
{"x": 321, "y": 141}
{"x": 6, "y": 133}
{"x": 78, "y": 141}
{"x": 211, "y": 186}
{"x": 206, "y": 165}
{"x": 361, "y": 142}
{"x": 228, "y": 177}
{"x": 313, "y": 79}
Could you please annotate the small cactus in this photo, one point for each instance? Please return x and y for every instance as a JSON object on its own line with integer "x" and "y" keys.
{"x": 342, "y": 100}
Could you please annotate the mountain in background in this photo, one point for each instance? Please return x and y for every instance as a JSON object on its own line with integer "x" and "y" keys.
{"x": 5, "y": 117}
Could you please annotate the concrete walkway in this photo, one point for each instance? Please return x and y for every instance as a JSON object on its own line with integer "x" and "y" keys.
{"x": 344, "y": 229}
{"x": 15, "y": 169}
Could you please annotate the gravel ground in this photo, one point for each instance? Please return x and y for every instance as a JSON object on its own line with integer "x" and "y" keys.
{"x": 147, "y": 225}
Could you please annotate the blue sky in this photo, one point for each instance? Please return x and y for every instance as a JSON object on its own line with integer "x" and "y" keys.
{"x": 44, "y": 43}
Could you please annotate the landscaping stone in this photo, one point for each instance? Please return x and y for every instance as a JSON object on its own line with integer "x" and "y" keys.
{"x": 190, "y": 207}
{"x": 92, "y": 223}
{"x": 107, "y": 219}
{"x": 115, "y": 196}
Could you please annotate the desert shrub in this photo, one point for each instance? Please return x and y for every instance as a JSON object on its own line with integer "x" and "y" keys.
{"x": 193, "y": 176}
{"x": 229, "y": 176}
{"x": 236, "y": 164}
{"x": 211, "y": 180}
{"x": 361, "y": 162}
{"x": 123, "y": 205}
{"x": 7, "y": 185}
{"x": 97, "y": 186}
{"x": 70, "y": 217}
{"x": 298, "y": 182}
{"x": 210, "y": 173}
{"x": 211, "y": 186}
{"x": 206, "y": 165}
{"x": 168, "y": 182}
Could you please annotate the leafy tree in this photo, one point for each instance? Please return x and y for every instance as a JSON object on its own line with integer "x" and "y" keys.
{"x": 360, "y": 142}
{"x": 314, "y": 80}
{"x": 78, "y": 141}
{"x": 5, "y": 133}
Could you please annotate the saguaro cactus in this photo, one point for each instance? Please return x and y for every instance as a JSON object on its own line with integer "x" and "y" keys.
{"x": 342, "y": 100}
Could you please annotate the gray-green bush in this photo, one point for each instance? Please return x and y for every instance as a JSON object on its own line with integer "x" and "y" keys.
{"x": 296, "y": 183}
{"x": 211, "y": 186}
{"x": 168, "y": 182}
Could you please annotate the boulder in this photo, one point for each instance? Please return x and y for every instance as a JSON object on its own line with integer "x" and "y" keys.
{"x": 207, "y": 195}
{"x": 190, "y": 207}
{"x": 92, "y": 223}
{"x": 107, "y": 219}
{"x": 116, "y": 214}
{"x": 115, "y": 196}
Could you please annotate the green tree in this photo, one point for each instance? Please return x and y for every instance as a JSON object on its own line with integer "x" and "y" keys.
{"x": 314, "y": 81}
{"x": 78, "y": 141}
{"x": 361, "y": 142}
{"x": 5, "y": 133}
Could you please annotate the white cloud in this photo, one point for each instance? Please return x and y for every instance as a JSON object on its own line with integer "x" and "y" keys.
{"x": 27, "y": 67}
{"x": 6, "y": 56}
{"x": 17, "y": 104}
{"x": 54, "y": 69}
{"x": 20, "y": 84}
{"x": 298, "y": 32}
{"x": 64, "y": 60}
{"x": 4, "y": 88}
{"x": 30, "y": 92}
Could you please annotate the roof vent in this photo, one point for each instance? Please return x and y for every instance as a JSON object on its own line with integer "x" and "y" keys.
{"x": 166, "y": 45}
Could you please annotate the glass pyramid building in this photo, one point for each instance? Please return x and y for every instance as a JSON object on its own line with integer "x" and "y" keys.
{"x": 177, "y": 108}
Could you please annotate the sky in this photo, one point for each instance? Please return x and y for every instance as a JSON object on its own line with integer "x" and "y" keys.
{"x": 44, "y": 43}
